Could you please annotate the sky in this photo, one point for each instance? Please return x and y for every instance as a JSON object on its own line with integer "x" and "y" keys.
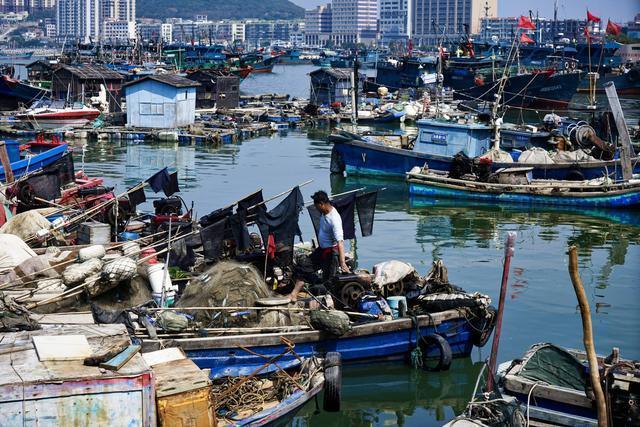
{"x": 623, "y": 11}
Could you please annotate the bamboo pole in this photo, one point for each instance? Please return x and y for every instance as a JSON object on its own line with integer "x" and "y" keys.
{"x": 6, "y": 163}
{"x": 508, "y": 253}
{"x": 587, "y": 333}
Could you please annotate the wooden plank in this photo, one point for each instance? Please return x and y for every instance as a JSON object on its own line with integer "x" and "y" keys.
{"x": 162, "y": 356}
{"x": 118, "y": 362}
{"x": 61, "y": 347}
{"x": 64, "y": 318}
{"x": 179, "y": 376}
{"x": 623, "y": 132}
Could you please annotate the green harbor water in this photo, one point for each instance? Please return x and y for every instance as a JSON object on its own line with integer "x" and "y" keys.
{"x": 541, "y": 304}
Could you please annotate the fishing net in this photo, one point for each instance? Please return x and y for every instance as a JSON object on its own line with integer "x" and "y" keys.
{"x": 494, "y": 412}
{"x": 14, "y": 317}
{"x": 225, "y": 284}
{"x": 26, "y": 224}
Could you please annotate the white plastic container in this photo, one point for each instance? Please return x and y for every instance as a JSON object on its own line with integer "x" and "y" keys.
{"x": 157, "y": 277}
{"x": 169, "y": 298}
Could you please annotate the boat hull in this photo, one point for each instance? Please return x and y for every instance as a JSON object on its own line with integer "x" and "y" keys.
{"x": 67, "y": 119}
{"x": 614, "y": 199}
{"x": 283, "y": 413}
{"x": 13, "y": 93}
{"x": 36, "y": 162}
{"x": 539, "y": 90}
{"x": 242, "y": 354}
{"x": 366, "y": 158}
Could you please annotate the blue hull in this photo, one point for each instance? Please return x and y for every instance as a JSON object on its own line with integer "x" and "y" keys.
{"x": 379, "y": 340}
{"x": 609, "y": 201}
{"x": 36, "y": 162}
{"x": 365, "y": 158}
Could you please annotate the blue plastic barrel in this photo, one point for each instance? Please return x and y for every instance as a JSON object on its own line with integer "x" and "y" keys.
{"x": 394, "y": 304}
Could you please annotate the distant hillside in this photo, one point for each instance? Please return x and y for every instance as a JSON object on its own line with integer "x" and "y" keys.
{"x": 219, "y": 9}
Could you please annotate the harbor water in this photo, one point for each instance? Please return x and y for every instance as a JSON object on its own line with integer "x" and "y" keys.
{"x": 541, "y": 304}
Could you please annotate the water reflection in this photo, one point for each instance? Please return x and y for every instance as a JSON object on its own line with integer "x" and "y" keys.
{"x": 394, "y": 394}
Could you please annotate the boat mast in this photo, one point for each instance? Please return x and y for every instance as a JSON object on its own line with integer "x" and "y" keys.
{"x": 354, "y": 90}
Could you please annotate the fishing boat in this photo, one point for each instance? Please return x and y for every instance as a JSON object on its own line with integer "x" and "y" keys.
{"x": 546, "y": 88}
{"x": 514, "y": 185}
{"x": 438, "y": 141}
{"x": 284, "y": 393}
{"x": 553, "y": 385}
{"x": 241, "y": 354}
{"x": 14, "y": 92}
{"x": 22, "y": 165}
{"x": 47, "y": 114}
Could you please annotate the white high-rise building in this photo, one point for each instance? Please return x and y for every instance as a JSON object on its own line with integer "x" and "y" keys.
{"x": 317, "y": 25}
{"x": 354, "y": 21}
{"x": 393, "y": 20}
{"x": 86, "y": 20}
{"x": 119, "y": 31}
{"x": 451, "y": 18}
{"x": 78, "y": 20}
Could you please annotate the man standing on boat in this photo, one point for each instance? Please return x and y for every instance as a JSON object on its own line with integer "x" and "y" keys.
{"x": 330, "y": 244}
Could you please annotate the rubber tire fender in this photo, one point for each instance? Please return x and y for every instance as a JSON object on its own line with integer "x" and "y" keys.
{"x": 332, "y": 381}
{"x": 481, "y": 332}
{"x": 426, "y": 342}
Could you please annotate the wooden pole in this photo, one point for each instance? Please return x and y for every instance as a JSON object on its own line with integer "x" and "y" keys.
{"x": 625, "y": 140}
{"x": 508, "y": 253}
{"x": 6, "y": 163}
{"x": 587, "y": 333}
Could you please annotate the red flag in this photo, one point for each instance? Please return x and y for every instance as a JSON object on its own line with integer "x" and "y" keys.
{"x": 592, "y": 18}
{"x": 524, "y": 38}
{"x": 271, "y": 247}
{"x": 526, "y": 23}
{"x": 613, "y": 28}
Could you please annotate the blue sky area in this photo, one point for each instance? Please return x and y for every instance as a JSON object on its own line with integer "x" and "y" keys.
{"x": 623, "y": 11}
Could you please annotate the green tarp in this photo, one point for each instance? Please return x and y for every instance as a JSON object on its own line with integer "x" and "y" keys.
{"x": 554, "y": 365}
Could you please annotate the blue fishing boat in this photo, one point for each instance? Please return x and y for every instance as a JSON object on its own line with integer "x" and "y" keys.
{"x": 314, "y": 375}
{"x": 20, "y": 165}
{"x": 541, "y": 192}
{"x": 14, "y": 92}
{"x": 437, "y": 143}
{"x": 560, "y": 395}
{"x": 241, "y": 354}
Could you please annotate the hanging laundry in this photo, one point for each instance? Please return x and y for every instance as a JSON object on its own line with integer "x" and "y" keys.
{"x": 248, "y": 205}
{"x": 282, "y": 223}
{"x": 212, "y": 238}
{"x": 366, "y": 204}
{"x": 345, "y": 205}
{"x": 238, "y": 226}
{"x": 159, "y": 180}
{"x": 137, "y": 197}
{"x": 182, "y": 255}
{"x": 216, "y": 216}
{"x": 172, "y": 186}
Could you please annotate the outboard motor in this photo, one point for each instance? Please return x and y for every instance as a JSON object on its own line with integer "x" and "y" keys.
{"x": 168, "y": 206}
